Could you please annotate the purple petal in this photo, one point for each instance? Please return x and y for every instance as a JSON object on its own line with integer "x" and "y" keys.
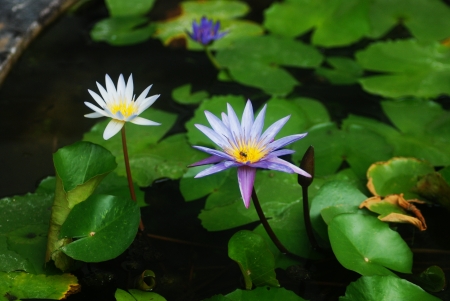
{"x": 218, "y": 126}
{"x": 235, "y": 126}
{"x": 214, "y": 152}
{"x": 268, "y": 164}
{"x": 278, "y": 153}
{"x": 273, "y": 130}
{"x": 216, "y": 168}
{"x": 246, "y": 179}
{"x": 295, "y": 168}
{"x": 285, "y": 141}
{"x": 247, "y": 120}
{"x": 225, "y": 120}
{"x": 258, "y": 125}
{"x": 216, "y": 138}
{"x": 209, "y": 160}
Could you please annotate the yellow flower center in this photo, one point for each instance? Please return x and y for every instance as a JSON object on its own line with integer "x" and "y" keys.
{"x": 247, "y": 153}
{"x": 126, "y": 108}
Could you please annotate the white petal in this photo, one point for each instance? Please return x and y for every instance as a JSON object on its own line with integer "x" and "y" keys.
{"x": 247, "y": 120}
{"x": 97, "y": 98}
{"x": 110, "y": 88}
{"x": 103, "y": 92}
{"x": 129, "y": 88}
{"x": 93, "y": 115}
{"x": 121, "y": 86}
{"x": 113, "y": 127}
{"x": 143, "y": 95}
{"x": 143, "y": 121}
{"x": 146, "y": 103}
{"x": 96, "y": 109}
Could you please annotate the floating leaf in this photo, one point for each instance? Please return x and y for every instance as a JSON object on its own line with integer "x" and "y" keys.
{"x": 183, "y": 95}
{"x": 103, "y": 226}
{"x": 344, "y": 71}
{"x": 393, "y": 209}
{"x": 119, "y": 31}
{"x": 413, "y": 68}
{"x": 80, "y": 167}
{"x": 137, "y": 295}
{"x": 21, "y": 285}
{"x": 375, "y": 288}
{"x": 333, "y": 194}
{"x": 192, "y": 188}
{"x": 216, "y": 105}
{"x": 258, "y": 294}
{"x": 368, "y": 246}
{"x": 433, "y": 279}
{"x": 255, "y": 62}
{"x": 118, "y": 8}
{"x": 398, "y": 175}
{"x": 254, "y": 258}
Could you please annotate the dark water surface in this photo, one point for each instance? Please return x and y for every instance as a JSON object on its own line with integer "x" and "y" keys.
{"x": 41, "y": 104}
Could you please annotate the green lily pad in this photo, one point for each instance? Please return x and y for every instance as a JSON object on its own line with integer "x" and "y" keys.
{"x": 21, "y": 285}
{"x": 192, "y": 188}
{"x": 342, "y": 195}
{"x": 226, "y": 12}
{"x": 254, "y": 258}
{"x": 183, "y": 95}
{"x": 364, "y": 244}
{"x": 123, "y": 30}
{"x": 315, "y": 112}
{"x": 433, "y": 279}
{"x": 255, "y": 61}
{"x": 414, "y": 69}
{"x": 396, "y": 176}
{"x": 258, "y": 294}
{"x": 105, "y": 223}
{"x": 12, "y": 261}
{"x": 343, "y": 71}
{"x": 216, "y": 105}
{"x": 118, "y": 8}
{"x": 375, "y": 288}
{"x": 137, "y": 295}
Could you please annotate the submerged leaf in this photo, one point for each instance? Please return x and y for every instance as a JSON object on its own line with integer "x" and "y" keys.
{"x": 433, "y": 187}
{"x": 254, "y": 258}
{"x": 183, "y": 95}
{"x": 433, "y": 279}
{"x": 258, "y": 294}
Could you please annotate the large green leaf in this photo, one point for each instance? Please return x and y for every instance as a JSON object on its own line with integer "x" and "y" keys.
{"x": 21, "y": 285}
{"x": 412, "y": 68}
{"x": 255, "y": 61}
{"x": 224, "y": 11}
{"x": 398, "y": 175}
{"x": 258, "y": 294}
{"x": 124, "y": 30}
{"x": 254, "y": 258}
{"x": 375, "y": 288}
{"x": 366, "y": 245}
{"x": 119, "y": 8}
{"x": 184, "y": 95}
{"x": 344, "y": 71}
{"x": 80, "y": 167}
{"x": 192, "y": 188}
{"x": 102, "y": 222}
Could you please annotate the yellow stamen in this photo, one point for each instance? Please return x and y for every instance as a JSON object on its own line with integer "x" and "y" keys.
{"x": 247, "y": 153}
{"x": 126, "y": 108}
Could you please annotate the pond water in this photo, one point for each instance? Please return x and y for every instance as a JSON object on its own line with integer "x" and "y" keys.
{"x": 42, "y": 110}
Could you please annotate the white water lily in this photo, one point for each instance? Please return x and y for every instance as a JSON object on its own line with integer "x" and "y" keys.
{"x": 119, "y": 104}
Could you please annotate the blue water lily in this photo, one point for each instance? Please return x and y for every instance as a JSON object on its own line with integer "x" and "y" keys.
{"x": 245, "y": 146}
{"x": 206, "y": 31}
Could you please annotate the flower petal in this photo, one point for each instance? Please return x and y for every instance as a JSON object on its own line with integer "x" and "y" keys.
{"x": 213, "y": 152}
{"x": 97, "y": 99}
{"x": 247, "y": 120}
{"x": 209, "y": 160}
{"x": 216, "y": 168}
{"x": 258, "y": 125}
{"x": 273, "y": 130}
{"x": 285, "y": 141}
{"x": 216, "y": 138}
{"x": 143, "y": 95}
{"x": 218, "y": 126}
{"x": 93, "y": 115}
{"x": 277, "y": 153}
{"x": 235, "y": 126}
{"x": 146, "y": 103}
{"x": 96, "y": 109}
{"x": 110, "y": 88}
{"x": 246, "y": 179}
{"x": 113, "y": 127}
{"x": 295, "y": 168}
{"x": 121, "y": 87}
{"x": 103, "y": 92}
{"x": 143, "y": 121}
{"x": 268, "y": 164}
{"x": 129, "y": 88}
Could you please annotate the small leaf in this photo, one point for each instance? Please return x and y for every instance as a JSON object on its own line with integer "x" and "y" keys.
{"x": 194, "y": 188}
{"x": 118, "y": 8}
{"x": 368, "y": 246}
{"x": 254, "y": 258}
{"x": 344, "y": 71}
{"x": 183, "y": 95}
{"x": 137, "y": 295}
{"x": 398, "y": 175}
{"x": 375, "y": 288}
{"x": 434, "y": 188}
{"x": 104, "y": 227}
{"x": 433, "y": 279}
{"x": 21, "y": 285}
{"x": 119, "y": 31}
{"x": 260, "y": 294}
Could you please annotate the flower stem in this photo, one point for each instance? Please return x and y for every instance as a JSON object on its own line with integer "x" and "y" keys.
{"x": 127, "y": 168}
{"x": 212, "y": 58}
{"x": 269, "y": 230}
